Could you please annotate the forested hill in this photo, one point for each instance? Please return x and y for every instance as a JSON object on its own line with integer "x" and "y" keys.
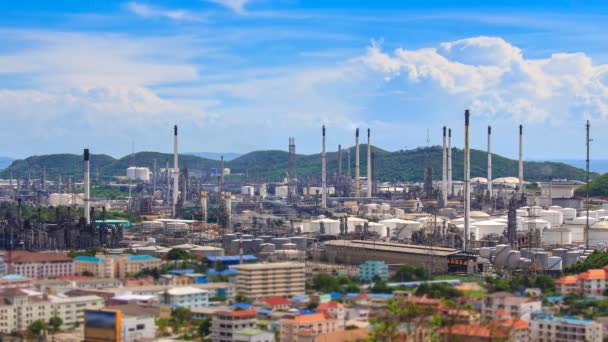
{"x": 404, "y": 165}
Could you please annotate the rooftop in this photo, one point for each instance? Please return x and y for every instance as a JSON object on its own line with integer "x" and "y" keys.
{"x": 181, "y": 291}
{"x": 299, "y": 319}
{"x": 472, "y": 330}
{"x": 86, "y": 258}
{"x": 140, "y": 257}
{"x": 26, "y": 256}
{"x": 392, "y": 247}
{"x": 261, "y": 266}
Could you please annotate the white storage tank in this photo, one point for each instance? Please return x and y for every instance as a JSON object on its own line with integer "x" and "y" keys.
{"x": 514, "y": 259}
{"x": 131, "y": 172}
{"x": 57, "y": 199}
{"x": 142, "y": 174}
{"x": 263, "y": 190}
{"x": 571, "y": 258}
{"x": 540, "y": 259}
{"x": 598, "y": 233}
{"x": 536, "y": 223}
{"x": 582, "y": 220}
{"x": 490, "y": 227}
{"x": 248, "y": 190}
{"x": 560, "y": 236}
{"x": 402, "y": 229}
{"x": 556, "y": 218}
{"x": 568, "y": 213}
{"x": 281, "y": 191}
{"x": 485, "y": 252}
{"x": 352, "y": 222}
{"x": 331, "y": 227}
{"x": 378, "y": 228}
{"x": 554, "y": 264}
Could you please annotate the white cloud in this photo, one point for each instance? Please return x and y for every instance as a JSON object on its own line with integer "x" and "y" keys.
{"x": 238, "y": 6}
{"x": 495, "y": 79}
{"x": 147, "y": 11}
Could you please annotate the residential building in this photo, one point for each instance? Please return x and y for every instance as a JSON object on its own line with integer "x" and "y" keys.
{"x": 15, "y": 281}
{"x": 274, "y": 303}
{"x": 545, "y": 327}
{"x": 40, "y": 265}
{"x": 344, "y": 336}
{"x": 136, "y": 328}
{"x": 128, "y": 264}
{"x": 567, "y": 284}
{"x": 253, "y": 335}
{"x": 18, "y": 309}
{"x": 335, "y": 311}
{"x": 471, "y": 333}
{"x": 372, "y": 268}
{"x": 591, "y": 282}
{"x": 226, "y": 323}
{"x": 515, "y": 306}
{"x": 304, "y": 328}
{"x": 186, "y": 297}
{"x": 100, "y": 266}
{"x": 270, "y": 279}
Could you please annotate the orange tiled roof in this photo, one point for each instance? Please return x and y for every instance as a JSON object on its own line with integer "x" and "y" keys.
{"x": 512, "y": 323}
{"x": 26, "y": 256}
{"x": 471, "y": 331}
{"x": 318, "y": 317}
{"x": 567, "y": 280}
{"x": 277, "y": 300}
{"x": 329, "y": 305}
{"x": 238, "y": 313}
{"x": 343, "y": 336}
{"x": 501, "y": 312}
{"x": 593, "y": 274}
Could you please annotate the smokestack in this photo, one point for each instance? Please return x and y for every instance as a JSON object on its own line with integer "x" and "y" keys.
{"x": 444, "y": 170}
{"x": 521, "y": 159}
{"x": 467, "y": 184}
{"x": 369, "y": 165}
{"x": 175, "y": 171}
{"x": 357, "y": 180}
{"x": 323, "y": 174}
{"x": 204, "y": 206}
{"x": 490, "y": 160}
{"x": 339, "y": 161}
{"x": 450, "y": 188}
{"x": 87, "y": 187}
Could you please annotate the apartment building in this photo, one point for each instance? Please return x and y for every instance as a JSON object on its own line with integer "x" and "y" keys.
{"x": 591, "y": 282}
{"x": 545, "y": 327}
{"x": 186, "y": 297}
{"x": 18, "y": 309}
{"x": 334, "y": 310}
{"x": 270, "y": 279}
{"x": 100, "y": 266}
{"x": 40, "y": 265}
{"x": 371, "y": 268}
{"x": 15, "y": 281}
{"x": 226, "y": 323}
{"x": 128, "y": 264}
{"x": 305, "y": 328}
{"x": 501, "y": 304}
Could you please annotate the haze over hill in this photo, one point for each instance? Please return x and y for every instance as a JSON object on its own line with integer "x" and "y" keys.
{"x": 403, "y": 165}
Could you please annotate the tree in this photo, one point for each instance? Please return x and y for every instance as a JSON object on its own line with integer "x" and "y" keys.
{"x": 437, "y": 290}
{"x": 88, "y": 274}
{"x": 55, "y": 324}
{"x": 36, "y": 328}
{"x": 204, "y": 328}
{"x": 381, "y": 287}
{"x": 410, "y": 273}
{"x": 241, "y": 298}
{"x": 178, "y": 254}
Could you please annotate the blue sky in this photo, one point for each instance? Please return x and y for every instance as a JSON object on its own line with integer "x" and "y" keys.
{"x": 242, "y": 75}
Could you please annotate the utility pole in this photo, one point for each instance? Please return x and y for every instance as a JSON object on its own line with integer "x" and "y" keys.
{"x": 587, "y": 186}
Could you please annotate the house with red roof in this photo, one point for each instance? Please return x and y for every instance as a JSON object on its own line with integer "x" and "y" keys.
{"x": 591, "y": 282}
{"x": 334, "y": 310}
{"x": 472, "y": 333}
{"x": 278, "y": 303}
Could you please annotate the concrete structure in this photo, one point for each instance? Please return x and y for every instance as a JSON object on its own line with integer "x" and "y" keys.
{"x": 368, "y": 175}
{"x": 87, "y": 187}
{"x": 591, "y": 282}
{"x": 18, "y": 309}
{"x": 304, "y": 328}
{"x": 357, "y": 164}
{"x": 137, "y": 328}
{"x": 41, "y": 265}
{"x": 371, "y": 268}
{"x": 99, "y": 266}
{"x": 444, "y": 169}
{"x": 15, "y": 281}
{"x": 270, "y": 279}
{"x": 544, "y": 327}
{"x": 358, "y": 251}
{"x": 489, "y": 178}
{"x": 515, "y": 306}
{"x": 323, "y": 174}
{"x": 521, "y": 161}
{"x": 450, "y": 187}
{"x": 127, "y": 264}
{"x": 253, "y": 335}
{"x": 175, "y": 172}
{"x": 227, "y": 323}
{"x": 467, "y": 184}
{"x": 186, "y": 297}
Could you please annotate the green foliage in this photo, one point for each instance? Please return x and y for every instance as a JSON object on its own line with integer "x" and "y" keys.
{"x": 597, "y": 187}
{"x": 180, "y": 317}
{"x": 386, "y": 327}
{"x": 588, "y": 309}
{"x": 179, "y": 254}
{"x": 437, "y": 290}
{"x": 91, "y": 251}
{"x": 404, "y": 165}
{"x": 410, "y": 273}
{"x": 36, "y": 328}
{"x": 381, "y": 287}
{"x": 55, "y": 323}
{"x": 326, "y": 283}
{"x": 88, "y": 274}
{"x": 596, "y": 260}
{"x": 516, "y": 283}
{"x": 109, "y": 192}
{"x": 312, "y": 305}
{"x": 241, "y": 298}
{"x": 204, "y": 327}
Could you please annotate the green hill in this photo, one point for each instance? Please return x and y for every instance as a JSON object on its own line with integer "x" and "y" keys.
{"x": 597, "y": 187}
{"x": 404, "y": 165}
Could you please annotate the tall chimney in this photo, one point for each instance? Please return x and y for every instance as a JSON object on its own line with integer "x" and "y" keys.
{"x": 357, "y": 180}
{"x": 204, "y": 206}
{"x": 444, "y": 170}
{"x": 87, "y": 187}
{"x": 369, "y": 164}
{"x": 490, "y": 160}
{"x": 521, "y": 159}
{"x": 450, "y": 187}
{"x": 323, "y": 174}
{"x": 175, "y": 171}
{"x": 467, "y": 184}
{"x": 339, "y": 161}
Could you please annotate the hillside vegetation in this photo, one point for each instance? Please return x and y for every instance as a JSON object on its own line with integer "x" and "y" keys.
{"x": 597, "y": 187}
{"x": 404, "y": 165}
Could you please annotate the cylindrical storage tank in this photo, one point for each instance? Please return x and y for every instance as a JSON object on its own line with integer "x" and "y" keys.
{"x": 331, "y": 227}
{"x": 559, "y": 252}
{"x": 142, "y": 173}
{"x": 485, "y": 252}
{"x": 352, "y": 223}
{"x": 377, "y": 228}
{"x": 247, "y": 237}
{"x": 601, "y": 246}
{"x": 525, "y": 263}
{"x": 60, "y": 199}
{"x": 279, "y": 242}
{"x": 248, "y": 190}
{"x": 540, "y": 259}
{"x": 522, "y": 212}
{"x": 131, "y": 172}
{"x": 555, "y": 207}
{"x": 582, "y": 220}
{"x": 513, "y": 259}
{"x": 385, "y": 207}
{"x": 502, "y": 253}
{"x": 554, "y": 264}
{"x": 227, "y": 239}
{"x": 571, "y": 258}
{"x": 560, "y": 236}
{"x": 268, "y": 248}
{"x": 556, "y": 218}
{"x": 490, "y": 227}
{"x": 537, "y": 224}
{"x": 301, "y": 242}
{"x": 525, "y": 253}
{"x": 402, "y": 229}
{"x": 534, "y": 210}
{"x": 568, "y": 213}
{"x": 289, "y": 246}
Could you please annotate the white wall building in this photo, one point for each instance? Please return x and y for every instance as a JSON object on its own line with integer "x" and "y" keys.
{"x": 544, "y": 327}
{"x": 186, "y": 297}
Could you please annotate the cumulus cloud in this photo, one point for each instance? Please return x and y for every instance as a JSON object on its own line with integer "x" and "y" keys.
{"x": 238, "y": 6}
{"x": 147, "y": 11}
{"x": 497, "y": 80}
